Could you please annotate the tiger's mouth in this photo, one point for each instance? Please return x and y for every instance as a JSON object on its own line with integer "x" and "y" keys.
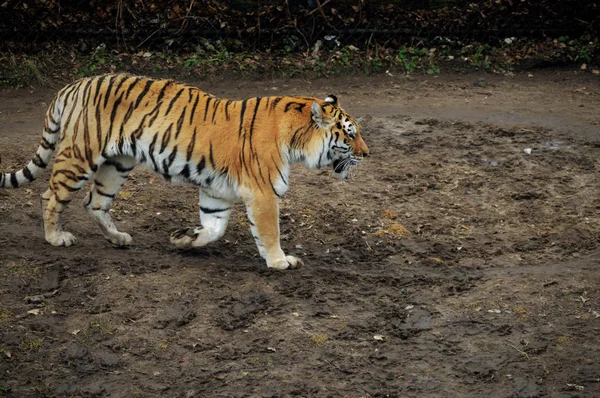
{"x": 342, "y": 167}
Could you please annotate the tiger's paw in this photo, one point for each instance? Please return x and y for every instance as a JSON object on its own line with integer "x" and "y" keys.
{"x": 120, "y": 239}
{"x": 61, "y": 238}
{"x": 289, "y": 262}
{"x": 184, "y": 237}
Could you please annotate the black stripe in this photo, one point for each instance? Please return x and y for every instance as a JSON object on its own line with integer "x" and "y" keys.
{"x": 37, "y": 160}
{"x": 242, "y": 118}
{"x": 108, "y": 195}
{"x": 215, "y": 111}
{"x": 173, "y": 101}
{"x": 200, "y": 166}
{"x": 13, "y": 180}
{"x": 86, "y": 93}
{"x": 27, "y": 174}
{"x": 133, "y": 145}
{"x": 98, "y": 132}
{"x": 120, "y": 84}
{"x": 128, "y": 114}
{"x": 165, "y": 139}
{"x": 227, "y": 110}
{"x": 162, "y": 91}
{"x": 132, "y": 85}
{"x": 120, "y": 168}
{"x": 180, "y": 123}
{"x": 275, "y": 102}
{"x": 252, "y": 123}
{"x": 206, "y": 210}
{"x": 279, "y": 171}
{"x": 72, "y": 89}
{"x": 89, "y": 200}
{"x": 98, "y": 183}
{"x": 144, "y": 92}
{"x": 210, "y": 154}
{"x": 172, "y": 156}
{"x": 190, "y": 148}
{"x": 299, "y": 106}
{"x": 100, "y": 81}
{"x": 110, "y": 83}
{"x": 186, "y": 171}
{"x": 294, "y": 137}
{"x": 206, "y": 107}
{"x": 166, "y": 170}
{"x": 47, "y": 144}
{"x": 272, "y": 187}
{"x": 194, "y": 108}
{"x": 68, "y": 174}
{"x": 154, "y": 112}
{"x": 113, "y": 114}
{"x": 151, "y": 151}
{"x": 69, "y": 188}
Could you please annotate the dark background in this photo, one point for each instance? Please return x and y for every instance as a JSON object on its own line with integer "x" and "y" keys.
{"x": 243, "y": 25}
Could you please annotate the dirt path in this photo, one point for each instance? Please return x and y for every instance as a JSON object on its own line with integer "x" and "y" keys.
{"x": 495, "y": 292}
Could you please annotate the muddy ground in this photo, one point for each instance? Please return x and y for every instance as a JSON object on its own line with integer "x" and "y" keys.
{"x": 452, "y": 264}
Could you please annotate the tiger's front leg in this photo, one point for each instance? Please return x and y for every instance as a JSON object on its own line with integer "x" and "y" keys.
{"x": 263, "y": 215}
{"x": 214, "y": 216}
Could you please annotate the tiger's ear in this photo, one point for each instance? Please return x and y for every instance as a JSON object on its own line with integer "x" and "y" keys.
{"x": 317, "y": 114}
{"x": 332, "y": 99}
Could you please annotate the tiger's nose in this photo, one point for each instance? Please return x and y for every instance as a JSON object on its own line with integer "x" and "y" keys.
{"x": 365, "y": 154}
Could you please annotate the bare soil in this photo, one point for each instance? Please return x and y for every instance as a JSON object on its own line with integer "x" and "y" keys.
{"x": 452, "y": 264}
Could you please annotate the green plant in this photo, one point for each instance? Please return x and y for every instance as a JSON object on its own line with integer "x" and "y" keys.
{"x": 412, "y": 59}
{"x": 586, "y": 52}
{"x": 95, "y": 61}
{"x": 477, "y": 55}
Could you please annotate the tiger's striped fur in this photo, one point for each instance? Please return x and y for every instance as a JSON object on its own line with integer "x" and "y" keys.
{"x": 103, "y": 126}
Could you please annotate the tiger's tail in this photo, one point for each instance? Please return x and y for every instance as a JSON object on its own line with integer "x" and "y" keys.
{"x": 35, "y": 168}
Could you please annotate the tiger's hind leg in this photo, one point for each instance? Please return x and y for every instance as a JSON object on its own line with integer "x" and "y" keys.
{"x": 108, "y": 181}
{"x": 68, "y": 176}
{"x": 214, "y": 216}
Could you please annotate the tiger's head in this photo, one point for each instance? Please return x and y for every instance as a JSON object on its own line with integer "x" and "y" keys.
{"x": 343, "y": 145}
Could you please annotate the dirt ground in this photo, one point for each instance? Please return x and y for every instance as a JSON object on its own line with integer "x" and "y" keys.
{"x": 453, "y": 264}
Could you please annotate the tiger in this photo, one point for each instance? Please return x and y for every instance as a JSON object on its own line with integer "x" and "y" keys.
{"x": 234, "y": 151}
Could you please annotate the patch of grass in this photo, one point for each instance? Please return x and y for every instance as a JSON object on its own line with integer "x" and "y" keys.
{"x": 4, "y": 352}
{"x": 522, "y": 312}
{"x": 434, "y": 261}
{"x": 563, "y": 340}
{"x": 18, "y": 71}
{"x": 5, "y": 315}
{"x": 97, "y": 330}
{"x": 31, "y": 345}
{"x": 20, "y": 268}
{"x": 262, "y": 361}
{"x": 394, "y": 229}
{"x": 210, "y": 58}
{"x": 319, "y": 339}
